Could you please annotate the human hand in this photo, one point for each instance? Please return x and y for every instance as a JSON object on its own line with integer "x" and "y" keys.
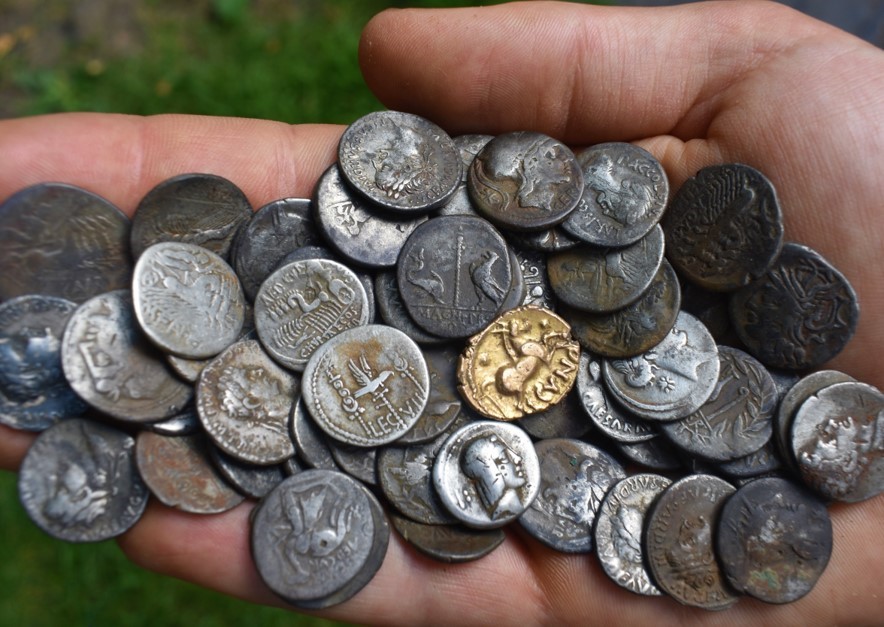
{"x": 696, "y": 85}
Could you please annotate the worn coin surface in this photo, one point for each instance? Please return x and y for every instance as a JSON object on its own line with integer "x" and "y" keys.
{"x": 551, "y": 240}
{"x": 188, "y": 301}
{"x": 618, "y": 531}
{"x": 763, "y": 461}
{"x": 310, "y": 440}
{"x": 366, "y": 386}
{"x": 574, "y": 478}
{"x": 178, "y": 471}
{"x": 724, "y": 227}
{"x": 250, "y": 480}
{"x": 454, "y": 273}
{"x": 185, "y": 423}
{"x": 624, "y": 195}
{"x": 399, "y": 161}
{"x": 78, "y": 482}
{"x": 680, "y": 549}
{"x": 774, "y": 539}
{"x": 452, "y": 544}
{"x": 532, "y": 265}
{"x": 602, "y": 280}
{"x": 838, "y": 441}
{"x": 525, "y": 181}
{"x": 201, "y": 209}
{"x": 673, "y": 379}
{"x": 736, "y": 419}
{"x": 357, "y": 230}
{"x": 522, "y": 363}
{"x": 274, "y": 231}
{"x": 305, "y": 303}
{"x": 799, "y": 314}
{"x": 658, "y": 453}
{"x": 636, "y": 328}
{"x": 60, "y": 240}
{"x": 243, "y": 399}
{"x": 114, "y": 368}
{"x": 444, "y": 404}
{"x": 34, "y": 394}
{"x": 357, "y": 461}
{"x": 487, "y": 473}
{"x": 564, "y": 419}
{"x": 393, "y": 312}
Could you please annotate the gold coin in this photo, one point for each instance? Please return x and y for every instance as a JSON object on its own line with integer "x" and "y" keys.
{"x": 521, "y": 364}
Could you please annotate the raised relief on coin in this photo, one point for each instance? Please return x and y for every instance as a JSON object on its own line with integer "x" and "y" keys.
{"x": 525, "y": 181}
{"x": 448, "y": 543}
{"x": 454, "y": 273}
{"x": 624, "y": 196}
{"x": 724, "y": 228}
{"x": 537, "y": 288}
{"x": 366, "y": 386}
{"x": 187, "y": 299}
{"x": 799, "y": 315}
{"x": 399, "y": 161}
{"x": 303, "y": 304}
{"x": 524, "y": 362}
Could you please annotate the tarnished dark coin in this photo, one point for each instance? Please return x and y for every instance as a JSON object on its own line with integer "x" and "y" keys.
{"x": 60, "y": 240}
{"x": 201, "y": 209}
{"x": 312, "y": 535}
{"x": 838, "y": 441}
{"x": 774, "y": 540}
{"x": 244, "y": 399}
{"x": 310, "y": 440}
{"x": 608, "y": 417}
{"x": 624, "y": 195}
{"x": 636, "y": 328}
{"x": 366, "y": 386}
{"x": 188, "y": 301}
{"x": 678, "y": 539}
{"x": 114, "y": 368}
{"x": 618, "y": 531}
{"x": 78, "y": 482}
{"x": 454, "y": 274}
{"x": 764, "y": 461}
{"x": 799, "y": 315}
{"x": 468, "y": 146}
{"x": 736, "y": 419}
{"x": 273, "y": 231}
{"x": 673, "y": 379}
{"x": 710, "y": 308}
{"x": 602, "y": 280}
{"x": 444, "y": 403}
{"x": 34, "y": 394}
{"x": 178, "y": 471}
{"x": 518, "y": 291}
{"x": 399, "y": 161}
{"x": 292, "y": 466}
{"x": 452, "y": 544}
{"x": 525, "y": 181}
{"x": 552, "y": 240}
{"x": 723, "y": 227}
{"x": 574, "y": 478}
{"x": 565, "y": 419}
{"x": 250, "y": 480}
{"x": 658, "y": 453}
{"x": 357, "y": 461}
{"x": 358, "y": 231}
{"x": 185, "y": 423}
{"x": 532, "y": 265}
{"x": 305, "y": 303}
{"x": 393, "y": 313}
{"x": 487, "y": 473}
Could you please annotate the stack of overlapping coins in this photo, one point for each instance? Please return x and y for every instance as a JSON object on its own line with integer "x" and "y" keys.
{"x": 415, "y": 332}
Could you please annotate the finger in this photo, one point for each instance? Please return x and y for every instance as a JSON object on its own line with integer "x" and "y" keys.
{"x": 121, "y": 157}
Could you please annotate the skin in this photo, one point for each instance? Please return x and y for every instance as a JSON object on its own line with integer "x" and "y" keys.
{"x": 750, "y": 82}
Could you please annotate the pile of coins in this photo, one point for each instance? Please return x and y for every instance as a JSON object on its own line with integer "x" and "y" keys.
{"x": 451, "y": 336}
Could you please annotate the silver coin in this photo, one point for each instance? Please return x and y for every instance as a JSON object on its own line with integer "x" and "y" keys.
{"x": 357, "y": 461}
{"x": 34, "y": 394}
{"x": 243, "y": 400}
{"x": 305, "y": 303}
{"x": 190, "y": 369}
{"x": 250, "y": 480}
{"x": 357, "y": 230}
{"x": 444, "y": 405}
{"x": 468, "y": 146}
{"x": 574, "y": 478}
{"x": 185, "y": 423}
{"x": 454, "y": 274}
{"x": 451, "y": 544}
{"x": 393, "y": 312}
{"x": 201, "y": 209}
{"x": 624, "y": 195}
{"x": 518, "y": 291}
{"x": 608, "y": 417}
{"x": 273, "y": 231}
{"x": 78, "y": 482}
{"x": 60, "y": 240}
{"x": 564, "y": 419}
{"x": 114, "y": 368}
{"x": 532, "y": 266}
{"x": 618, "y": 531}
{"x": 764, "y": 461}
{"x": 399, "y": 161}
{"x": 602, "y": 280}
{"x": 838, "y": 441}
{"x": 551, "y": 240}
{"x": 188, "y": 301}
{"x": 310, "y": 441}
{"x": 525, "y": 181}
{"x": 366, "y": 386}
{"x": 673, "y": 379}
{"x": 657, "y": 453}
{"x": 487, "y": 474}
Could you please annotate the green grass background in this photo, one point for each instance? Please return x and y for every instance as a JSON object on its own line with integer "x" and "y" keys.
{"x": 286, "y": 60}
